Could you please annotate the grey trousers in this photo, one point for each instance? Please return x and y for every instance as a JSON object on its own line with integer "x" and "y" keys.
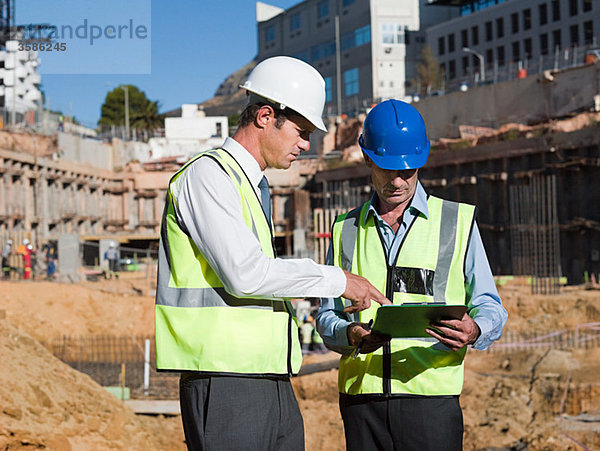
{"x": 425, "y": 423}
{"x": 239, "y": 413}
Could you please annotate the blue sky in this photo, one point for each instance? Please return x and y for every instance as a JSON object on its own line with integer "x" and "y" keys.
{"x": 189, "y": 49}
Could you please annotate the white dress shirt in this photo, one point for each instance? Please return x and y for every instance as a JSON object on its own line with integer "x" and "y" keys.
{"x": 209, "y": 207}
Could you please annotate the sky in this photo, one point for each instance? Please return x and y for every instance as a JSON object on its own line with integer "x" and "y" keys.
{"x": 176, "y": 51}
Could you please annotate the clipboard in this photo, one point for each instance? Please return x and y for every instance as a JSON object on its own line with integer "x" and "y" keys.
{"x": 411, "y": 320}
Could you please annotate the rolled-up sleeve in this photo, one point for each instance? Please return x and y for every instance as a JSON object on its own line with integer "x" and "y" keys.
{"x": 485, "y": 305}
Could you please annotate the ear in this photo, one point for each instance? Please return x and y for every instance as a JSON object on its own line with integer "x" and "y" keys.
{"x": 264, "y": 115}
{"x": 368, "y": 161}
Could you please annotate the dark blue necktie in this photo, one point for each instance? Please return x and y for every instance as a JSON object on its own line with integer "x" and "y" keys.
{"x": 265, "y": 198}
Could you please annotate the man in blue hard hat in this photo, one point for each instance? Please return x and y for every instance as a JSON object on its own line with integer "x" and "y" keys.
{"x": 403, "y": 392}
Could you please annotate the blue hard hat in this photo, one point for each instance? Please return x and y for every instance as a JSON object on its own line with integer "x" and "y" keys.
{"x": 394, "y": 136}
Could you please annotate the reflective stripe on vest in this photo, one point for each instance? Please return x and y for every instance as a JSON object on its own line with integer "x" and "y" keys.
{"x": 201, "y": 327}
{"x": 429, "y": 267}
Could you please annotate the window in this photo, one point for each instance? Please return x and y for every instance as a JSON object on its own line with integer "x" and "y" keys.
{"x": 322, "y": 9}
{"x": 465, "y": 65}
{"x": 443, "y": 70}
{"x": 573, "y": 7}
{"x": 588, "y": 32}
{"x": 452, "y": 69}
{"x": 516, "y": 51}
{"x": 514, "y": 23}
{"x": 527, "y": 45}
{"x": 464, "y": 38}
{"x": 500, "y": 55}
{"x": 543, "y": 10}
{"x": 587, "y": 5}
{"x": 295, "y": 22}
{"x": 574, "y": 32}
{"x": 351, "y": 82}
{"x": 321, "y": 51}
{"x": 526, "y": 19}
{"x": 489, "y": 35}
{"x": 270, "y": 33}
{"x": 391, "y": 33}
{"x": 357, "y": 38}
{"x": 347, "y": 2}
{"x": 302, "y": 56}
{"x": 489, "y": 57}
{"x": 544, "y": 43}
{"x": 451, "y": 43}
{"x": 362, "y": 35}
{"x": 328, "y": 89}
{"x": 556, "y": 40}
{"x": 500, "y": 27}
{"x": 555, "y": 10}
{"x": 475, "y": 35}
{"x": 441, "y": 46}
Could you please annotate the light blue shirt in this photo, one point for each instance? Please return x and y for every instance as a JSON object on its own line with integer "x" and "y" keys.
{"x": 485, "y": 306}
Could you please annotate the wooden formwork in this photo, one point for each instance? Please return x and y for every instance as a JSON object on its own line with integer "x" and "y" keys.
{"x": 322, "y": 221}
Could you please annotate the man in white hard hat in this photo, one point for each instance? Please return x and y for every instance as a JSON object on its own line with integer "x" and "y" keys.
{"x": 222, "y": 315}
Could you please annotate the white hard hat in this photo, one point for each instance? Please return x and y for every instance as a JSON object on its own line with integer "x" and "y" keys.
{"x": 9, "y": 241}
{"x": 291, "y": 83}
{"x": 112, "y": 244}
{"x": 25, "y": 241}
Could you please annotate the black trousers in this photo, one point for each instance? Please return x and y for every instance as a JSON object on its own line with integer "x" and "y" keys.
{"x": 239, "y": 413}
{"x": 402, "y": 423}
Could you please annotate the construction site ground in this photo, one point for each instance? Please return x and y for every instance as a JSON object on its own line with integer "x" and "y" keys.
{"x": 529, "y": 396}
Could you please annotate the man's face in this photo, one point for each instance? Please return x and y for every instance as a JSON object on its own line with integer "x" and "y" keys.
{"x": 283, "y": 145}
{"x": 394, "y": 187}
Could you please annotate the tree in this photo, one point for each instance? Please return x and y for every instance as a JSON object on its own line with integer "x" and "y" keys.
{"x": 143, "y": 113}
{"x": 148, "y": 118}
{"x": 430, "y": 76}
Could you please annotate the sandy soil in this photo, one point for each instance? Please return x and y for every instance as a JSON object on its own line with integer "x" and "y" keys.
{"x": 511, "y": 400}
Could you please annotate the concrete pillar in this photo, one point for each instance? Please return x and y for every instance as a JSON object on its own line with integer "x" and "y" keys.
{"x": 43, "y": 203}
{"x": 3, "y": 210}
{"x": 68, "y": 257}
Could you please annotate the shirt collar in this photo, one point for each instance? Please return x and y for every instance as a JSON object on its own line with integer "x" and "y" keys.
{"x": 245, "y": 160}
{"x": 418, "y": 203}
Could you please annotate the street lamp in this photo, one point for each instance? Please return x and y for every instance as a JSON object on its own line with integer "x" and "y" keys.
{"x": 124, "y": 88}
{"x": 481, "y": 61}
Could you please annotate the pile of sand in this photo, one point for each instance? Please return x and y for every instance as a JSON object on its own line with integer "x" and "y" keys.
{"x": 46, "y": 404}
{"x": 537, "y": 398}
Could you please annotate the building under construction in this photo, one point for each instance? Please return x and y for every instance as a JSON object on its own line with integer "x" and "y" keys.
{"x": 535, "y": 185}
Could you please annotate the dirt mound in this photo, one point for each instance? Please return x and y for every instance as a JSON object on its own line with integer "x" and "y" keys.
{"x": 45, "y": 403}
{"x": 46, "y": 310}
{"x": 537, "y": 397}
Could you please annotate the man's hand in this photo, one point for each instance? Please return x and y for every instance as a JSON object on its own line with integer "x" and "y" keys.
{"x": 370, "y": 341}
{"x": 455, "y": 333}
{"x": 360, "y": 291}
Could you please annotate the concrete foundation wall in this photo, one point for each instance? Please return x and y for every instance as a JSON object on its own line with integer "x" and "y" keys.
{"x": 85, "y": 151}
{"x": 41, "y": 198}
{"x": 533, "y": 99}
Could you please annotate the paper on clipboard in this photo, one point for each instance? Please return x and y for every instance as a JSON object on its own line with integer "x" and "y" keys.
{"x": 411, "y": 320}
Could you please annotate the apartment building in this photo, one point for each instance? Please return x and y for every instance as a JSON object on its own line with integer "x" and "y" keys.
{"x": 495, "y": 40}
{"x": 366, "y": 50}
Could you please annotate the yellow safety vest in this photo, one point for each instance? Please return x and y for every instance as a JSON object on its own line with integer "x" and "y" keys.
{"x": 201, "y": 327}
{"x": 429, "y": 267}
